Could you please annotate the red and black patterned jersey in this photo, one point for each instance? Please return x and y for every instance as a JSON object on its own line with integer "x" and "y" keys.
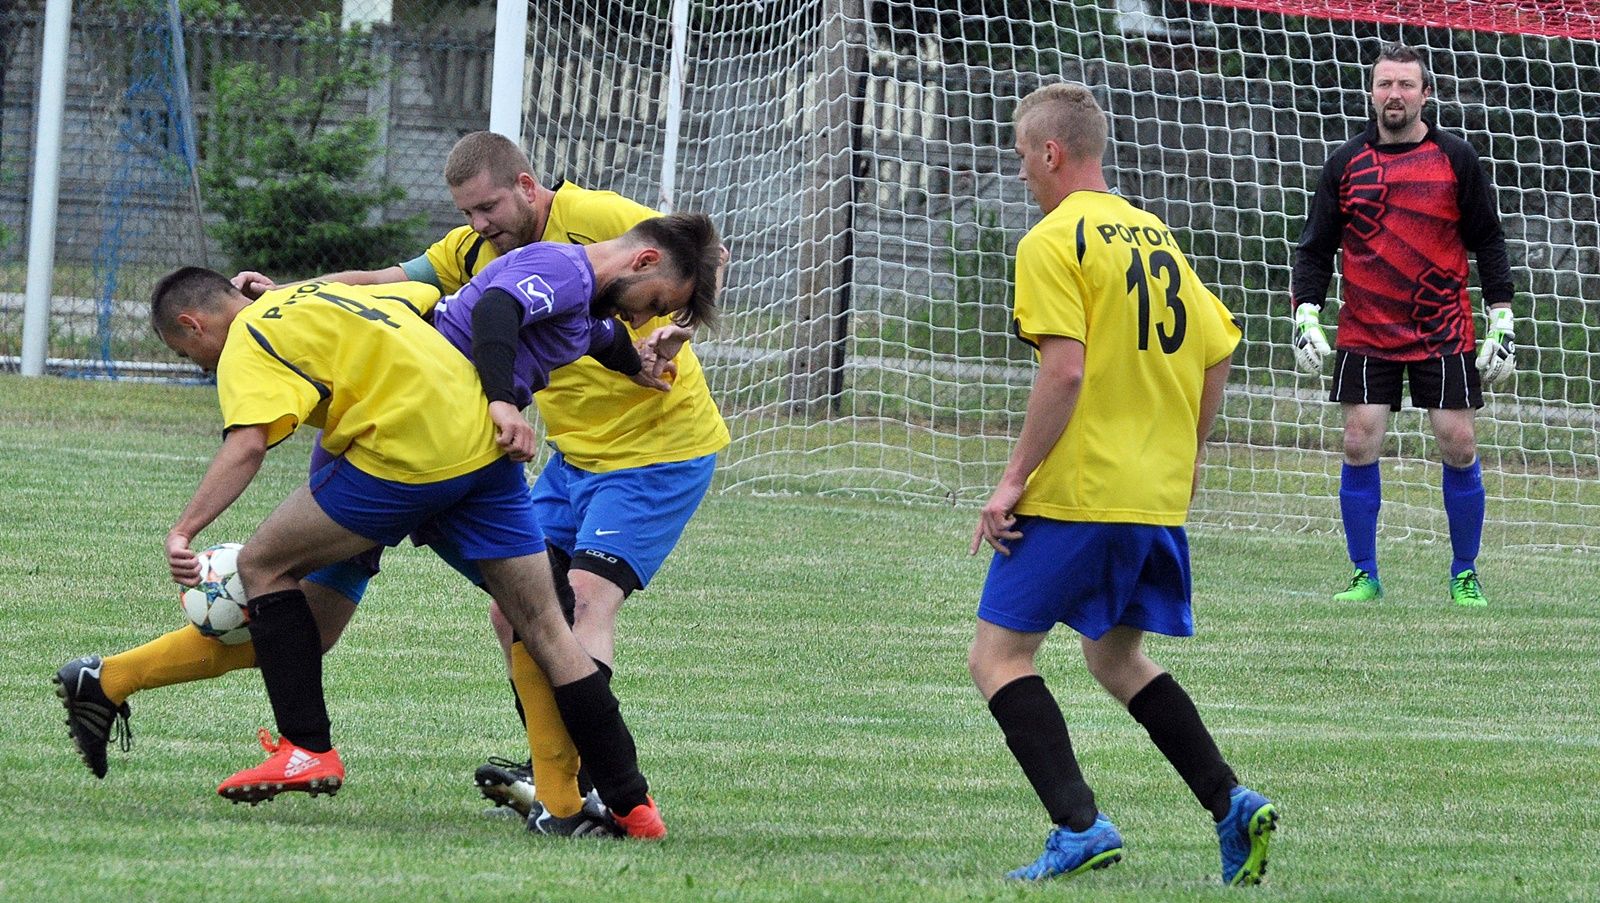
{"x": 1405, "y": 217}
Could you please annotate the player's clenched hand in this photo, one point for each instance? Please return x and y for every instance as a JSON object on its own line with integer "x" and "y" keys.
{"x": 1310, "y": 342}
{"x": 181, "y": 560}
{"x": 665, "y": 342}
{"x": 650, "y": 380}
{"x": 512, "y": 431}
{"x": 1498, "y": 357}
{"x": 996, "y": 523}
{"x": 251, "y": 284}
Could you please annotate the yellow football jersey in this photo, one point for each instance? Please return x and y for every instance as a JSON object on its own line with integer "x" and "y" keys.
{"x": 1099, "y": 270}
{"x": 599, "y": 419}
{"x": 453, "y": 260}
{"x": 387, "y": 390}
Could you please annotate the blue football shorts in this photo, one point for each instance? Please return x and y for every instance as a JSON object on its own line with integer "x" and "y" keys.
{"x": 480, "y": 515}
{"x": 636, "y": 514}
{"x": 1091, "y": 577}
{"x": 348, "y": 578}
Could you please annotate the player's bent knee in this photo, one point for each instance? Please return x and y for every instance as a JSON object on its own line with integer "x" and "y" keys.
{"x": 257, "y": 574}
{"x": 594, "y": 573}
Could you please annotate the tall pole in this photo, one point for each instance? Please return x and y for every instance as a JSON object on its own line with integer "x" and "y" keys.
{"x": 816, "y": 366}
{"x": 669, "y": 153}
{"x": 510, "y": 59}
{"x": 191, "y": 152}
{"x": 46, "y": 187}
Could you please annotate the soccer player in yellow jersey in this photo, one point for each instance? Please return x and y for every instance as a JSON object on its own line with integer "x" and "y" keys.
{"x": 1087, "y": 519}
{"x": 617, "y": 444}
{"x": 413, "y": 446}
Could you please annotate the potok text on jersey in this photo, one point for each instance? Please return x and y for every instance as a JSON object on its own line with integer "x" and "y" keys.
{"x": 1143, "y": 236}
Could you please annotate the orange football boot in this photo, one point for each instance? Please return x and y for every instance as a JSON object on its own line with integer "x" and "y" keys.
{"x": 643, "y": 823}
{"x": 288, "y": 768}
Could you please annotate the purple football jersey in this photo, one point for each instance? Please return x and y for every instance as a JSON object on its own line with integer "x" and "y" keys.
{"x": 554, "y": 284}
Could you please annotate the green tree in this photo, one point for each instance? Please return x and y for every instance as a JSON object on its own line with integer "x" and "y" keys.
{"x": 292, "y": 183}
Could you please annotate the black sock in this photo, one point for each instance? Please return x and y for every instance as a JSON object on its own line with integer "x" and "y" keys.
{"x": 585, "y": 784}
{"x": 289, "y": 656}
{"x": 1167, "y": 712}
{"x": 595, "y": 723}
{"x": 1037, "y": 734}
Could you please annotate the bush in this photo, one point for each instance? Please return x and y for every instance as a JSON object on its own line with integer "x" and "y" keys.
{"x": 293, "y": 188}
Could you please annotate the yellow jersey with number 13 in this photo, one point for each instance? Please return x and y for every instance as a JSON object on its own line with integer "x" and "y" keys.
{"x": 1099, "y": 270}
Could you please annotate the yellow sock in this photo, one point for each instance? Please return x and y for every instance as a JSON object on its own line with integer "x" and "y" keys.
{"x": 555, "y": 759}
{"x": 178, "y": 657}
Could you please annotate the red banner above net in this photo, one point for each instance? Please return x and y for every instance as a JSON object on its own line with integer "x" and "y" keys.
{"x": 1550, "y": 18}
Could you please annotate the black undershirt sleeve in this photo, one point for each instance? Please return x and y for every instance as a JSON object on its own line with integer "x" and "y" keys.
{"x": 620, "y": 355}
{"x": 1480, "y": 224}
{"x": 1324, "y": 232}
{"x": 495, "y": 323}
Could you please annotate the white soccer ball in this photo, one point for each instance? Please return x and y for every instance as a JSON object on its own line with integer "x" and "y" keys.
{"x": 216, "y": 604}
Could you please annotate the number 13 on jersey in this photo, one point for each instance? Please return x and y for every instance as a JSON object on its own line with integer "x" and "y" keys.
{"x": 1160, "y": 267}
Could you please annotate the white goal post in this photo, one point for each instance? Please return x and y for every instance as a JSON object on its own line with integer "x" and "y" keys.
{"x": 856, "y": 155}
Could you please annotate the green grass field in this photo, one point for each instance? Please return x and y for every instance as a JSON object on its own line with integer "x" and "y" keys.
{"x": 796, "y": 681}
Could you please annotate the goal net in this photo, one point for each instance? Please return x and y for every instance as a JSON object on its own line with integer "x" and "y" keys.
{"x": 127, "y": 188}
{"x": 857, "y": 156}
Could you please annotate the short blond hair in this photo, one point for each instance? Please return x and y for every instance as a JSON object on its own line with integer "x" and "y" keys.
{"x": 1067, "y": 113}
{"x": 480, "y": 152}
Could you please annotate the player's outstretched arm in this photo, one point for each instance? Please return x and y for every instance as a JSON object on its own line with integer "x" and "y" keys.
{"x": 231, "y": 470}
{"x": 252, "y": 283}
{"x": 365, "y": 277}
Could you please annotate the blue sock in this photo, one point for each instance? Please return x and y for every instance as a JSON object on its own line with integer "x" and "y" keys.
{"x": 1360, "y": 497}
{"x": 1463, "y": 507}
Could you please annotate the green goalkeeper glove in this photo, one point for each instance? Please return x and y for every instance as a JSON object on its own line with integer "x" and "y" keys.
{"x": 1310, "y": 342}
{"x": 1498, "y": 357}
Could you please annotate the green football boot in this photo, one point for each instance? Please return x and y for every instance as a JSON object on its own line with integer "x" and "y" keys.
{"x": 1466, "y": 591}
{"x": 1364, "y": 587}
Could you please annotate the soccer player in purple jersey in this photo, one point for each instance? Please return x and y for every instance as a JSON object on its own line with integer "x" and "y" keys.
{"x": 1405, "y": 203}
{"x": 538, "y": 308}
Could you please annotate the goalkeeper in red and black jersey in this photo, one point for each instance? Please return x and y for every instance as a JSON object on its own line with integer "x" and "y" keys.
{"x": 1403, "y": 204}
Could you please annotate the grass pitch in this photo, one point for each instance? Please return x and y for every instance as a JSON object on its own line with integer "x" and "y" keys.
{"x": 796, "y": 681}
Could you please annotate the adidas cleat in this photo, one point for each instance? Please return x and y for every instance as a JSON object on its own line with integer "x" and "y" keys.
{"x": 92, "y": 719}
{"x": 643, "y": 822}
{"x": 1243, "y": 836}
{"x": 1067, "y": 853}
{"x": 507, "y": 783}
{"x": 288, "y": 768}
{"x": 1364, "y": 587}
{"x": 593, "y": 820}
